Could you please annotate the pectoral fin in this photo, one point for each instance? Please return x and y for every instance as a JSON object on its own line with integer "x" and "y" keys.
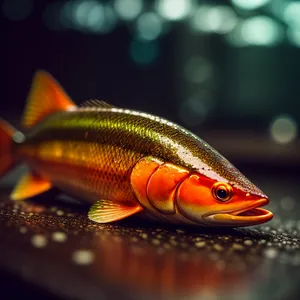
{"x": 28, "y": 186}
{"x": 106, "y": 211}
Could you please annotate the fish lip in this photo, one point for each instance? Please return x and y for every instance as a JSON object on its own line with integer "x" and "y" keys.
{"x": 235, "y": 218}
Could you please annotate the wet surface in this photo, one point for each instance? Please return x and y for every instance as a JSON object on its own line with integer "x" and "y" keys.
{"x": 50, "y": 249}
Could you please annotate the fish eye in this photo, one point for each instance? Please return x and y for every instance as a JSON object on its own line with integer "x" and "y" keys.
{"x": 222, "y": 191}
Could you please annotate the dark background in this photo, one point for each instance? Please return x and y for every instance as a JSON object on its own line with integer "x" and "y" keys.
{"x": 227, "y": 70}
{"x": 225, "y": 74}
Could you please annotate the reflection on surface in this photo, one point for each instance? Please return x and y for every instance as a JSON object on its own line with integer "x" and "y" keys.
{"x": 56, "y": 247}
{"x": 172, "y": 272}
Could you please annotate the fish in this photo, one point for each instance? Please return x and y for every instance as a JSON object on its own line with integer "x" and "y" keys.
{"x": 124, "y": 162}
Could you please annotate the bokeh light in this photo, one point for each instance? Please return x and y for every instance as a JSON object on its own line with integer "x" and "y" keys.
{"x": 283, "y": 129}
{"x": 87, "y": 12}
{"x": 144, "y": 52}
{"x": 219, "y": 19}
{"x": 261, "y": 31}
{"x": 293, "y": 36}
{"x": 291, "y": 14}
{"x": 17, "y": 10}
{"x": 128, "y": 9}
{"x": 149, "y": 26}
{"x": 174, "y": 10}
{"x": 249, "y": 4}
{"x": 198, "y": 69}
{"x": 89, "y": 16}
{"x": 235, "y": 37}
{"x": 96, "y": 18}
{"x": 110, "y": 21}
{"x": 196, "y": 108}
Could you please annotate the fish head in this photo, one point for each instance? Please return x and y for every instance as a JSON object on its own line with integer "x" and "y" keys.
{"x": 219, "y": 203}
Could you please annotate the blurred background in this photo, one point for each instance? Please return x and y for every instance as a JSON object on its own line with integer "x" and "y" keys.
{"x": 227, "y": 70}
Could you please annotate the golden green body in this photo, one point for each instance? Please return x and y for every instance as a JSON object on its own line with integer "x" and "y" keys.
{"x": 123, "y": 162}
{"x": 91, "y": 151}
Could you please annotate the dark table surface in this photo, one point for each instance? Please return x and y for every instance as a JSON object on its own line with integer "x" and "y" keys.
{"x": 50, "y": 250}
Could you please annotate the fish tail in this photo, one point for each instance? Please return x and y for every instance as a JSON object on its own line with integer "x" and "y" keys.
{"x": 46, "y": 97}
{"x": 6, "y": 139}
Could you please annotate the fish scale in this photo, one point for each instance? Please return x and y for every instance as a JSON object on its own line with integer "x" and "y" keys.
{"x": 93, "y": 169}
{"x": 142, "y": 133}
{"x": 124, "y": 162}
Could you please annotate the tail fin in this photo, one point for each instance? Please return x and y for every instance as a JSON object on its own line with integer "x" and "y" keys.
{"x": 6, "y": 159}
{"x": 46, "y": 96}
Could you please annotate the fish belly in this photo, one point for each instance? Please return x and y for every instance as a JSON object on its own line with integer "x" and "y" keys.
{"x": 87, "y": 170}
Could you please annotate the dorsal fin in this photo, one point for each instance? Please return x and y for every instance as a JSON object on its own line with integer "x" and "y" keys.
{"x": 46, "y": 96}
{"x": 96, "y": 103}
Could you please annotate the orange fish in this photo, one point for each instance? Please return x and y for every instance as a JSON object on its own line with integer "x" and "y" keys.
{"x": 124, "y": 162}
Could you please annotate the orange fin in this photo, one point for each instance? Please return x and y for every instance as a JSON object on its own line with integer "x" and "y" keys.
{"x": 46, "y": 96}
{"x": 105, "y": 211}
{"x": 28, "y": 186}
{"x": 6, "y": 134}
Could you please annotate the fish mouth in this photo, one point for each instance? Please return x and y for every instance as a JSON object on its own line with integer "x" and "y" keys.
{"x": 250, "y": 215}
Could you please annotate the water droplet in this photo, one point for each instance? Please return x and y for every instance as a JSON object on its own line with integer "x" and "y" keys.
{"x": 60, "y": 213}
{"x": 173, "y": 242}
{"x": 83, "y": 257}
{"x": 18, "y": 137}
{"x": 248, "y": 242}
{"x": 155, "y": 242}
{"x": 144, "y": 236}
{"x": 218, "y": 247}
{"x": 271, "y": 253}
{"x": 237, "y": 247}
{"x": 59, "y": 237}
{"x": 200, "y": 244}
{"x": 39, "y": 241}
{"x": 23, "y": 229}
